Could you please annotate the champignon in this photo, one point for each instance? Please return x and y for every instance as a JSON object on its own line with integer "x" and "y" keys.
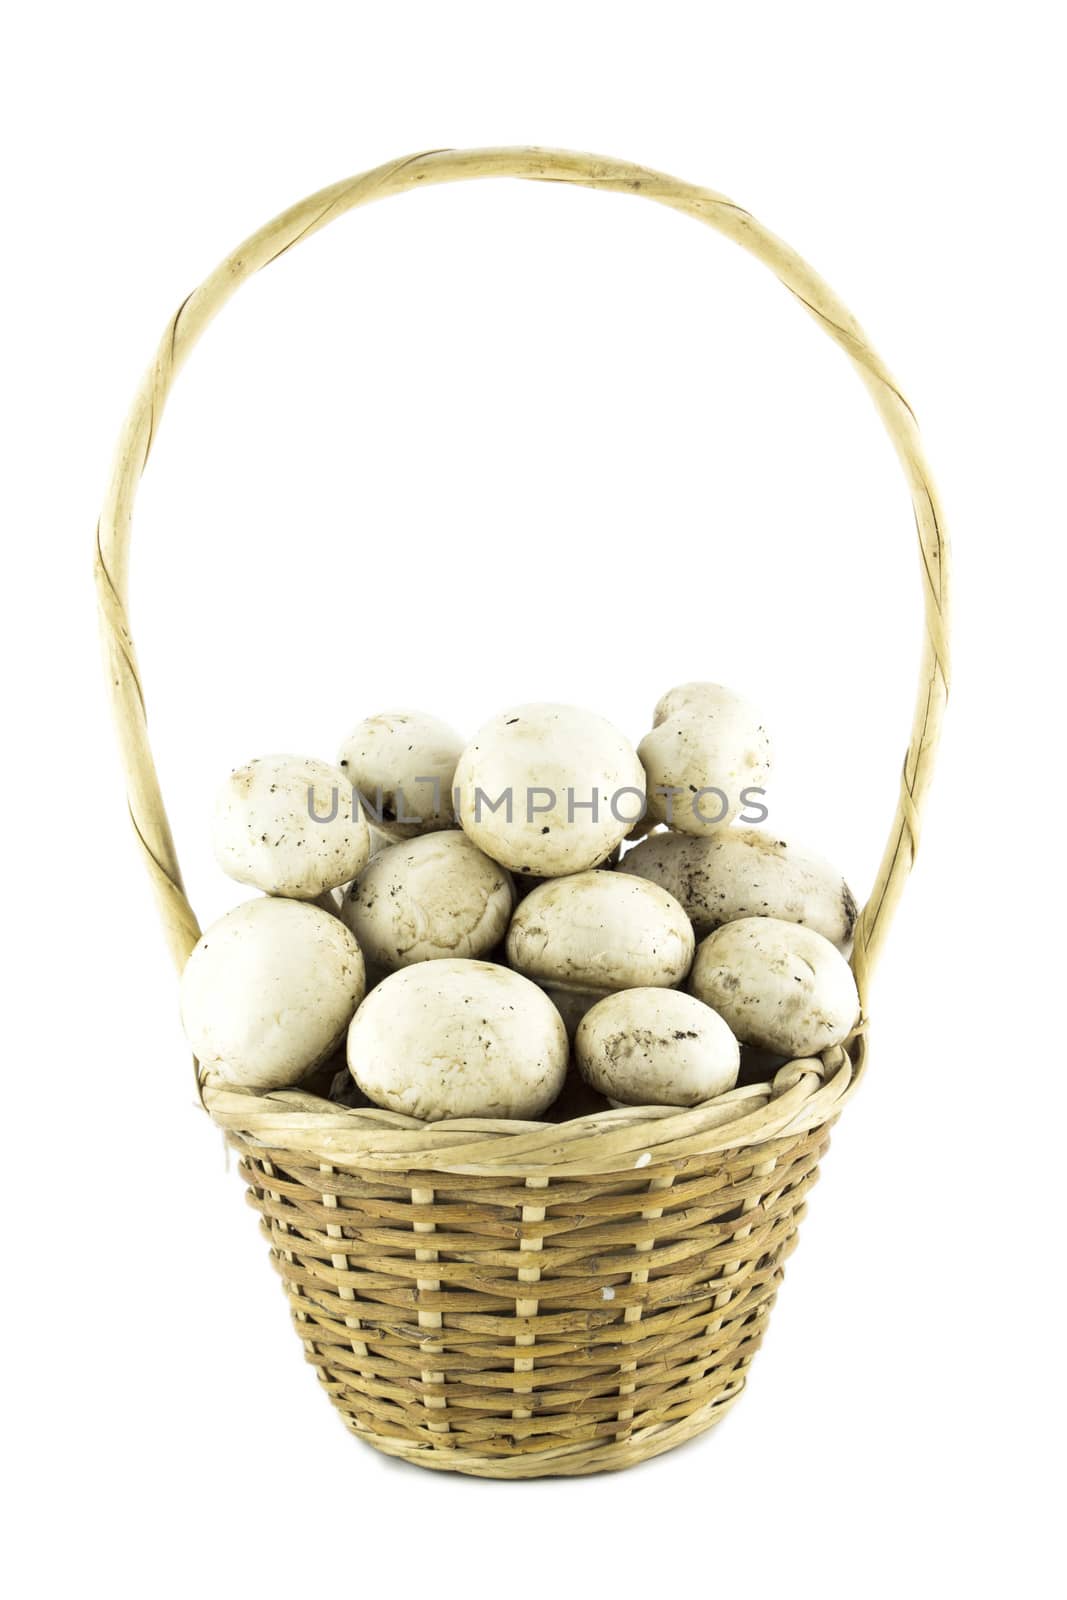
{"x": 702, "y": 763}
{"x": 287, "y": 825}
{"x": 428, "y": 899}
{"x": 402, "y": 765}
{"x": 268, "y": 992}
{"x": 656, "y": 1047}
{"x": 779, "y": 986}
{"x": 596, "y": 932}
{"x": 684, "y": 699}
{"x": 745, "y": 872}
{"x": 458, "y": 1039}
{"x": 549, "y": 789}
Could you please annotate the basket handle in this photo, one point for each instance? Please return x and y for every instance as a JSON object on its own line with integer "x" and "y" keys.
{"x": 561, "y": 166}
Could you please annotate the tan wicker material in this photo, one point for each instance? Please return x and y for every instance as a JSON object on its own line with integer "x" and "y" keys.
{"x": 521, "y": 1299}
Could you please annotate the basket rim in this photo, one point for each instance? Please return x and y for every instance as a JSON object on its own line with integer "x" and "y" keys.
{"x": 802, "y": 1095}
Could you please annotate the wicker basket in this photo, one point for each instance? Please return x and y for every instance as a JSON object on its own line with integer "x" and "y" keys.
{"x": 522, "y": 1299}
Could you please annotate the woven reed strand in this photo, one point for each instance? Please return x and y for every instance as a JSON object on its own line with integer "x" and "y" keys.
{"x": 514, "y": 1299}
{"x": 635, "y": 1330}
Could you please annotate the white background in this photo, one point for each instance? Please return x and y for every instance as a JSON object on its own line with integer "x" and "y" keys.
{"x": 495, "y": 442}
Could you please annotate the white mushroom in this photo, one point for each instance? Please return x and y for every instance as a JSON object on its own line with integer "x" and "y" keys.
{"x": 269, "y": 991}
{"x": 549, "y": 789}
{"x": 779, "y": 986}
{"x": 701, "y": 763}
{"x": 458, "y": 1039}
{"x": 427, "y": 899}
{"x": 596, "y": 932}
{"x": 685, "y": 699}
{"x": 744, "y": 872}
{"x": 402, "y": 764}
{"x": 656, "y": 1047}
{"x": 286, "y": 824}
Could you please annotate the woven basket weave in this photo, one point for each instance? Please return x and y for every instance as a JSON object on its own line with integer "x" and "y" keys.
{"x": 522, "y": 1299}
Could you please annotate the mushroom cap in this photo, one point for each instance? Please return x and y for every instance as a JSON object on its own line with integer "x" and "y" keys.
{"x": 745, "y": 872}
{"x": 656, "y": 1047}
{"x": 600, "y": 931}
{"x": 711, "y": 754}
{"x": 402, "y": 764}
{"x": 567, "y": 772}
{"x": 458, "y": 1039}
{"x": 286, "y": 825}
{"x": 268, "y": 992}
{"x": 686, "y": 698}
{"x": 427, "y": 899}
{"x": 779, "y": 986}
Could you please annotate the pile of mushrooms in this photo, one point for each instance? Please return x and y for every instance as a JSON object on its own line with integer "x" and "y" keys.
{"x": 542, "y": 921}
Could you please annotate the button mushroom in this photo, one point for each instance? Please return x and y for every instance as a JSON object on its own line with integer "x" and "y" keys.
{"x": 744, "y": 872}
{"x": 656, "y": 1047}
{"x": 287, "y": 825}
{"x": 268, "y": 992}
{"x": 685, "y": 699}
{"x": 701, "y": 761}
{"x": 549, "y": 789}
{"x": 428, "y": 899}
{"x": 596, "y": 932}
{"x": 779, "y": 986}
{"x": 402, "y": 765}
{"x": 458, "y": 1039}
